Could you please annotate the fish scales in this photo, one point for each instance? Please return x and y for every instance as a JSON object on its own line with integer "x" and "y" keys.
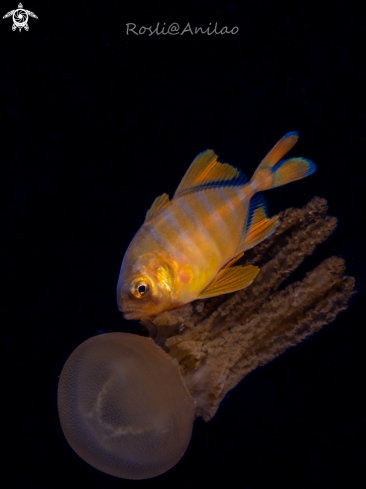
{"x": 205, "y": 225}
{"x": 187, "y": 246}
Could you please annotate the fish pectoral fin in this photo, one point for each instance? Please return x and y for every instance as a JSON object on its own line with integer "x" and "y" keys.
{"x": 158, "y": 204}
{"x": 205, "y": 171}
{"x": 258, "y": 227}
{"x": 230, "y": 280}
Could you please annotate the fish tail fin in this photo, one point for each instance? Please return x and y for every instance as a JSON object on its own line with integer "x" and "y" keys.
{"x": 274, "y": 172}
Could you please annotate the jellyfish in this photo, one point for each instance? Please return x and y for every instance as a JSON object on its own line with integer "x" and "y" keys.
{"x": 124, "y": 407}
{"x": 127, "y": 403}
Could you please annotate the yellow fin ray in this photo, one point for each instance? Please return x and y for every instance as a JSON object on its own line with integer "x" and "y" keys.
{"x": 259, "y": 232}
{"x": 206, "y": 170}
{"x": 230, "y": 280}
{"x": 258, "y": 226}
{"x": 279, "y": 150}
{"x": 235, "y": 259}
{"x": 273, "y": 172}
{"x": 158, "y": 204}
{"x": 292, "y": 170}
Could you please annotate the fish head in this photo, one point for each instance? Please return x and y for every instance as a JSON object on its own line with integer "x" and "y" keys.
{"x": 146, "y": 285}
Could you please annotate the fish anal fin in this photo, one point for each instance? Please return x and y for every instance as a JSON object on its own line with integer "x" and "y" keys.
{"x": 259, "y": 232}
{"x": 158, "y": 204}
{"x": 230, "y": 280}
{"x": 206, "y": 171}
{"x": 235, "y": 259}
{"x": 258, "y": 227}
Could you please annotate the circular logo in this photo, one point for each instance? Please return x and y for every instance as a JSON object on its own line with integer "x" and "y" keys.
{"x": 20, "y": 17}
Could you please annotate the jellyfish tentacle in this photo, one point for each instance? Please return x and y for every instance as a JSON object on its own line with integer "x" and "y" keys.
{"x": 222, "y": 339}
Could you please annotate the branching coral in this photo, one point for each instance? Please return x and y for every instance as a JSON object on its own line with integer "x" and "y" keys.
{"x": 218, "y": 341}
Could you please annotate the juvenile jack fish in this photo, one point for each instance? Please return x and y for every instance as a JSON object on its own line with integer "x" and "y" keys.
{"x": 186, "y": 247}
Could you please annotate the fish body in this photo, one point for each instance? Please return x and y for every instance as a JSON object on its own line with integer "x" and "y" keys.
{"x": 186, "y": 247}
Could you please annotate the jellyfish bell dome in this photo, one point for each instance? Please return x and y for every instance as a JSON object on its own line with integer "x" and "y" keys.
{"x": 124, "y": 407}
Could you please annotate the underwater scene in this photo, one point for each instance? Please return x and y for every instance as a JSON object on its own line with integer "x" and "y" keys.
{"x": 182, "y": 203}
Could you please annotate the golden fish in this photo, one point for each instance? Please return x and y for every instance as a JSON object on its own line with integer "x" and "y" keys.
{"x": 186, "y": 247}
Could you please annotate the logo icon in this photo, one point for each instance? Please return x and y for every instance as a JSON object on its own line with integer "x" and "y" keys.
{"x": 20, "y": 17}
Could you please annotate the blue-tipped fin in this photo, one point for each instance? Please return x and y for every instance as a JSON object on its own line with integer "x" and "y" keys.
{"x": 258, "y": 226}
{"x": 205, "y": 171}
{"x": 287, "y": 171}
{"x": 279, "y": 150}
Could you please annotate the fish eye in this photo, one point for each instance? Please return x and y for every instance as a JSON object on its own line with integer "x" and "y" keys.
{"x": 140, "y": 288}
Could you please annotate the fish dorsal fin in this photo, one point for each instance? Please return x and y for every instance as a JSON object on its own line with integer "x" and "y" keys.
{"x": 257, "y": 227}
{"x": 206, "y": 171}
{"x": 230, "y": 280}
{"x": 158, "y": 204}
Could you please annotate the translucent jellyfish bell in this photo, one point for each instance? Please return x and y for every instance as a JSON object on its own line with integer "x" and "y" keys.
{"x": 127, "y": 405}
{"x": 124, "y": 407}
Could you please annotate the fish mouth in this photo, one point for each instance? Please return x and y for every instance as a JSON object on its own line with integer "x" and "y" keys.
{"x": 131, "y": 310}
{"x": 129, "y": 313}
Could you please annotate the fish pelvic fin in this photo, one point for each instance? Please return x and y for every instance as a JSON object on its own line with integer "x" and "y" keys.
{"x": 274, "y": 172}
{"x": 230, "y": 280}
{"x": 205, "y": 171}
{"x": 158, "y": 204}
{"x": 257, "y": 226}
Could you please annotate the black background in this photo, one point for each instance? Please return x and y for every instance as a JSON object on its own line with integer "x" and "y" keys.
{"x": 95, "y": 124}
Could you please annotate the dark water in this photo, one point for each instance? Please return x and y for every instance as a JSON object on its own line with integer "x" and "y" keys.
{"x": 96, "y": 124}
